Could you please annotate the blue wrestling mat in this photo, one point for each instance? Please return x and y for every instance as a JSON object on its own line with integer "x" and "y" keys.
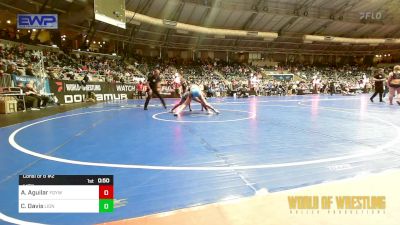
{"x": 161, "y": 162}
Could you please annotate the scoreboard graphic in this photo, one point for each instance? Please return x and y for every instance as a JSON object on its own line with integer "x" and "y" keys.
{"x": 66, "y": 193}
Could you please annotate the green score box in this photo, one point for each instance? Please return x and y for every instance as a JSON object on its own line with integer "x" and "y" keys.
{"x": 106, "y": 205}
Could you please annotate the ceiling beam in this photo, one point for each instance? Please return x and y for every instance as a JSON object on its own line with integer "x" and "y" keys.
{"x": 174, "y": 17}
{"x": 135, "y": 30}
{"x": 293, "y": 50}
{"x": 347, "y": 6}
{"x": 248, "y": 22}
{"x": 297, "y": 15}
{"x": 202, "y": 21}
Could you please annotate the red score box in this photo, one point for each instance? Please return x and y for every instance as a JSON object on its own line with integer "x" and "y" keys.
{"x": 106, "y": 192}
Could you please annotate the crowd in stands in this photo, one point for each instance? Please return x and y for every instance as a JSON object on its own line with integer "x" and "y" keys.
{"x": 56, "y": 65}
{"x": 216, "y": 78}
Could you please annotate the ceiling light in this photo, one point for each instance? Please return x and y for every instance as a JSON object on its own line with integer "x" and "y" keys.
{"x": 135, "y": 22}
{"x": 169, "y": 23}
{"x": 182, "y": 31}
{"x": 252, "y": 33}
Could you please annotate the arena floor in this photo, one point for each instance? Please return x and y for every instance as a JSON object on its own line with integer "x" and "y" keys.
{"x": 162, "y": 163}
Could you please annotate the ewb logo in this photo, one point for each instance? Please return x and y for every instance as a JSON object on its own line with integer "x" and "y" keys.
{"x": 37, "y": 21}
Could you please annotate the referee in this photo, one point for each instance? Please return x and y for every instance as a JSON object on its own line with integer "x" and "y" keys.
{"x": 379, "y": 78}
{"x": 153, "y": 83}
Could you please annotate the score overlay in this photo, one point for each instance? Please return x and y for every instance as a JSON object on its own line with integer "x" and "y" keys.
{"x": 66, "y": 193}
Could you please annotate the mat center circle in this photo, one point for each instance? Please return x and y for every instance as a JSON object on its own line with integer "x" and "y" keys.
{"x": 196, "y": 116}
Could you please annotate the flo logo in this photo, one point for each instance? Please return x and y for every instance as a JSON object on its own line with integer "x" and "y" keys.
{"x": 371, "y": 16}
{"x": 59, "y": 86}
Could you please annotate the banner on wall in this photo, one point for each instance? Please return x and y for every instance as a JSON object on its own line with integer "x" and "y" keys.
{"x": 282, "y": 77}
{"x": 69, "y": 91}
{"x": 40, "y": 84}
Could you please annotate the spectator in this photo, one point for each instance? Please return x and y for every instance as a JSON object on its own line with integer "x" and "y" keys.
{"x": 85, "y": 80}
{"x": 29, "y": 70}
{"x": 41, "y": 101}
{"x": 394, "y": 83}
{"x": 139, "y": 88}
{"x": 13, "y": 69}
{"x": 3, "y": 66}
{"x": 30, "y": 101}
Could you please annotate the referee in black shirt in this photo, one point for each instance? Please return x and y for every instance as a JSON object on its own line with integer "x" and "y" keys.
{"x": 379, "y": 78}
{"x": 153, "y": 82}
